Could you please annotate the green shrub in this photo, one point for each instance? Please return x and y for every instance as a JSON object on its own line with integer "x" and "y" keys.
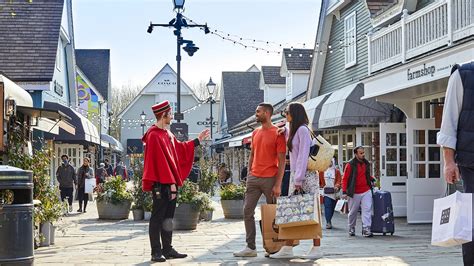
{"x": 233, "y": 192}
{"x": 114, "y": 191}
{"x": 189, "y": 193}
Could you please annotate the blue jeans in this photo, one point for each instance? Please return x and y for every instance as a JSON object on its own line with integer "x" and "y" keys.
{"x": 329, "y": 206}
{"x": 467, "y": 175}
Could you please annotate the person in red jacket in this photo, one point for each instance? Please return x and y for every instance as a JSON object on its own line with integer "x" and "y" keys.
{"x": 168, "y": 163}
{"x": 357, "y": 186}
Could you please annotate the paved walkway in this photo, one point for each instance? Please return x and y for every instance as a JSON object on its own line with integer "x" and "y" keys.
{"x": 89, "y": 241}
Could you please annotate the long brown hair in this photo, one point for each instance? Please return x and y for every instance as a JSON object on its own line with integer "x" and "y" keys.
{"x": 299, "y": 118}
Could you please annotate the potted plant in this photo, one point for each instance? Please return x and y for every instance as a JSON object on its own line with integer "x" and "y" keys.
{"x": 191, "y": 202}
{"x": 206, "y": 209}
{"x": 207, "y": 184}
{"x": 232, "y": 201}
{"x": 50, "y": 211}
{"x": 113, "y": 199}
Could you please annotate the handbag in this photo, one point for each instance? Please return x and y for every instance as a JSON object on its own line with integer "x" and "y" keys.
{"x": 329, "y": 190}
{"x": 320, "y": 153}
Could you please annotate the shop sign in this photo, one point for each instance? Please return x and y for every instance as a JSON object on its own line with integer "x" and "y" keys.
{"x": 206, "y": 123}
{"x": 421, "y": 72}
{"x": 58, "y": 88}
{"x": 180, "y": 130}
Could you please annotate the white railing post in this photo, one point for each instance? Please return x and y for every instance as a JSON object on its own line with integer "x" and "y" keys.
{"x": 404, "y": 35}
{"x": 450, "y": 21}
{"x": 369, "y": 51}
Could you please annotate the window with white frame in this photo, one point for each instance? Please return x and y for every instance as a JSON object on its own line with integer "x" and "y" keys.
{"x": 350, "y": 37}
{"x": 426, "y": 109}
{"x": 174, "y": 107}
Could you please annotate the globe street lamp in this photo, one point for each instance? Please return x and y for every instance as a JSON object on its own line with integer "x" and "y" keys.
{"x": 211, "y": 87}
{"x": 143, "y": 117}
{"x": 178, "y": 23}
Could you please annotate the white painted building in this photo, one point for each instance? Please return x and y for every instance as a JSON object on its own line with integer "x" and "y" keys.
{"x": 163, "y": 87}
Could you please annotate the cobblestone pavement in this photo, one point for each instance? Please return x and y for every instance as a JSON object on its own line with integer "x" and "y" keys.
{"x": 89, "y": 241}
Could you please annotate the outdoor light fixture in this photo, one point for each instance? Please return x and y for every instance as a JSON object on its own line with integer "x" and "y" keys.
{"x": 190, "y": 48}
{"x": 143, "y": 115}
{"x": 178, "y": 4}
{"x": 150, "y": 28}
{"x": 211, "y": 87}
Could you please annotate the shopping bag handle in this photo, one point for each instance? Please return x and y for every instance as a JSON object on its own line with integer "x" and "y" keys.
{"x": 298, "y": 192}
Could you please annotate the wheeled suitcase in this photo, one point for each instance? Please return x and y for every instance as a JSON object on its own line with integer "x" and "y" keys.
{"x": 382, "y": 219}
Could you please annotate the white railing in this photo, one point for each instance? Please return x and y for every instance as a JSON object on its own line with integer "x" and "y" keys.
{"x": 437, "y": 25}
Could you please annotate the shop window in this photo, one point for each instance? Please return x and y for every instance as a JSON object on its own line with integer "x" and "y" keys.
{"x": 403, "y": 139}
{"x": 392, "y": 170}
{"x": 420, "y": 154}
{"x": 391, "y": 139}
{"x": 403, "y": 169}
{"x": 419, "y": 110}
{"x": 427, "y": 109}
{"x": 420, "y": 171}
{"x": 419, "y": 137}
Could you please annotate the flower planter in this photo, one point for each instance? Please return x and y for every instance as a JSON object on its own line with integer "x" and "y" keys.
{"x": 52, "y": 234}
{"x": 185, "y": 217}
{"x": 233, "y": 209}
{"x": 109, "y": 211}
{"x": 45, "y": 234}
{"x": 147, "y": 216}
{"x": 138, "y": 214}
{"x": 206, "y": 216}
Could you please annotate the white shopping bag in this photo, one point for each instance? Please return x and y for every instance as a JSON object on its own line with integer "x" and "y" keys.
{"x": 89, "y": 185}
{"x": 452, "y": 220}
{"x": 341, "y": 206}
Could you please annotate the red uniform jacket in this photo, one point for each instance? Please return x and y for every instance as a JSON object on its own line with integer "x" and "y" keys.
{"x": 167, "y": 160}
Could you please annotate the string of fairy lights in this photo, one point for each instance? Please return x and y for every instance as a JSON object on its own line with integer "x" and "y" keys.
{"x": 258, "y": 45}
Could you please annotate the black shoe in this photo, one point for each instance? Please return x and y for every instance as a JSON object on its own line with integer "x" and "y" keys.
{"x": 80, "y": 210}
{"x": 157, "y": 258}
{"x": 173, "y": 254}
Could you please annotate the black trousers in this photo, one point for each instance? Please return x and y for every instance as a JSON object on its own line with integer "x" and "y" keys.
{"x": 66, "y": 192}
{"x": 161, "y": 221}
{"x": 82, "y": 197}
{"x": 467, "y": 175}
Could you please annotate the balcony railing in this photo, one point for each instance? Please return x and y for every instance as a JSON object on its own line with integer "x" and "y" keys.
{"x": 437, "y": 25}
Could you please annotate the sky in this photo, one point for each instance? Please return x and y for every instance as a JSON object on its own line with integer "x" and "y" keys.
{"x": 137, "y": 56}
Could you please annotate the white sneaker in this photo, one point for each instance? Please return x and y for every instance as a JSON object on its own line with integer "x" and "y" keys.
{"x": 314, "y": 253}
{"x": 246, "y": 252}
{"x": 286, "y": 252}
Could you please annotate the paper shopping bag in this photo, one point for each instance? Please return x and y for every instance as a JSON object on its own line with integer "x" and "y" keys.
{"x": 452, "y": 220}
{"x": 298, "y": 210}
{"x": 271, "y": 243}
{"x": 342, "y": 206}
{"x": 313, "y": 231}
{"x": 89, "y": 185}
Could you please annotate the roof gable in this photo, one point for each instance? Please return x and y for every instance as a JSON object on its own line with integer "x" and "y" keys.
{"x": 29, "y": 41}
{"x": 271, "y": 75}
{"x": 95, "y": 63}
{"x": 241, "y": 93}
{"x": 297, "y": 59}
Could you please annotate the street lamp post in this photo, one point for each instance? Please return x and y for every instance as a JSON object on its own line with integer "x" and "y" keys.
{"x": 211, "y": 87}
{"x": 143, "y": 117}
{"x": 101, "y": 102}
{"x": 178, "y": 23}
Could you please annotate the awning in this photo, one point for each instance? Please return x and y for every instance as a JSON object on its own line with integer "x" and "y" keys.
{"x": 48, "y": 120}
{"x": 13, "y": 91}
{"x": 114, "y": 143}
{"x": 85, "y": 130}
{"x": 313, "y": 109}
{"x": 235, "y": 141}
{"x": 344, "y": 108}
{"x": 134, "y": 146}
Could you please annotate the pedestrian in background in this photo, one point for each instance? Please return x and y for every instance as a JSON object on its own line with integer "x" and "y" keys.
{"x": 330, "y": 181}
{"x": 101, "y": 174}
{"x": 108, "y": 168}
{"x": 121, "y": 170}
{"x": 84, "y": 172}
{"x": 357, "y": 186}
{"x": 66, "y": 176}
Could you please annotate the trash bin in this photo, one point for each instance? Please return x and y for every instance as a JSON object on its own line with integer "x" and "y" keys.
{"x": 16, "y": 216}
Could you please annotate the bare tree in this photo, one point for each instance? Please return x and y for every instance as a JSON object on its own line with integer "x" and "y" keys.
{"x": 121, "y": 98}
{"x": 200, "y": 89}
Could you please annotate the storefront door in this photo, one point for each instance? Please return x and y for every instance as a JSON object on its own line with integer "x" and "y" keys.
{"x": 425, "y": 179}
{"x": 393, "y": 164}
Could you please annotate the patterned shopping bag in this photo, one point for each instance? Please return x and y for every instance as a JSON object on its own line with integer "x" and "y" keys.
{"x": 297, "y": 210}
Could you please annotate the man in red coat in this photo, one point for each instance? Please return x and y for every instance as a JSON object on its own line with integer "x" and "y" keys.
{"x": 167, "y": 164}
